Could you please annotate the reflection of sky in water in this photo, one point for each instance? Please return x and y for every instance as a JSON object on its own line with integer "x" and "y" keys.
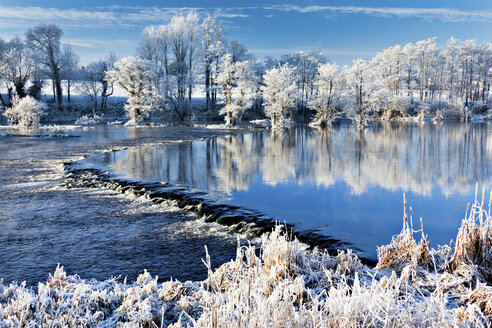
{"x": 346, "y": 186}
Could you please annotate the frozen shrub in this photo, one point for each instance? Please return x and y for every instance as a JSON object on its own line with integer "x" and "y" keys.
{"x": 403, "y": 249}
{"x": 26, "y": 112}
{"x": 87, "y": 120}
{"x": 473, "y": 252}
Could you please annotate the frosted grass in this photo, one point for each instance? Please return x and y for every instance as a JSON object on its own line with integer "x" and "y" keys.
{"x": 281, "y": 284}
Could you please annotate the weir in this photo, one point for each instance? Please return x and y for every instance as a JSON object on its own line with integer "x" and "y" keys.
{"x": 239, "y": 220}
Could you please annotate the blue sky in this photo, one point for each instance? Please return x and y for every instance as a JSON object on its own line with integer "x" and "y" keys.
{"x": 343, "y": 30}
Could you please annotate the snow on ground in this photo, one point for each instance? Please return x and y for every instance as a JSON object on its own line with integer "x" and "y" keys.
{"x": 217, "y": 126}
{"x": 60, "y": 127}
{"x": 264, "y": 122}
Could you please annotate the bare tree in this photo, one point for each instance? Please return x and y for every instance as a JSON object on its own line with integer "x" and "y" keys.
{"x": 17, "y": 66}
{"x": 70, "y": 61}
{"x": 213, "y": 43}
{"x": 94, "y": 84}
{"x": 45, "y": 39}
{"x": 239, "y": 52}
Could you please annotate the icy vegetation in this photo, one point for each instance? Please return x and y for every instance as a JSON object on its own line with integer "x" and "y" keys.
{"x": 284, "y": 285}
{"x": 238, "y": 85}
{"x": 88, "y": 120}
{"x": 279, "y": 94}
{"x": 187, "y": 69}
{"x": 26, "y": 112}
{"x": 134, "y": 75}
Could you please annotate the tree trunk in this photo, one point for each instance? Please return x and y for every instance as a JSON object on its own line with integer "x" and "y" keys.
{"x": 9, "y": 92}
{"x": 2, "y": 101}
{"x": 103, "y": 94}
{"x": 53, "y": 88}
{"x": 68, "y": 89}
{"x": 59, "y": 94}
{"x": 19, "y": 88}
{"x": 207, "y": 86}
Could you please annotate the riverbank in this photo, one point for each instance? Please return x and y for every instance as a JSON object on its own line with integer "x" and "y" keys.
{"x": 283, "y": 285}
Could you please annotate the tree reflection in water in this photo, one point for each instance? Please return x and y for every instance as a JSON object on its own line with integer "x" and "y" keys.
{"x": 308, "y": 175}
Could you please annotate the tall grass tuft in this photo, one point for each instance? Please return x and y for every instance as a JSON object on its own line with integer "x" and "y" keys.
{"x": 403, "y": 249}
{"x": 472, "y": 255}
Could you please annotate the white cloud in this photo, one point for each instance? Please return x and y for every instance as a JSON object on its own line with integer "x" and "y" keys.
{"x": 39, "y": 13}
{"x": 96, "y": 17}
{"x": 442, "y": 14}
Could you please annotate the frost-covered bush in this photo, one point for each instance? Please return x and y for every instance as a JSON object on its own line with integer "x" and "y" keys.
{"x": 396, "y": 108}
{"x": 87, "y": 120}
{"x": 26, "y": 112}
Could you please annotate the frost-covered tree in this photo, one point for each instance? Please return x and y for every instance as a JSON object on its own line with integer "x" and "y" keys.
{"x": 45, "y": 40}
{"x": 94, "y": 84}
{"x": 136, "y": 77}
{"x": 213, "y": 45}
{"x": 69, "y": 64}
{"x": 154, "y": 47}
{"x": 25, "y": 112}
{"x": 238, "y": 86}
{"x": 90, "y": 85}
{"x": 183, "y": 34}
{"x": 305, "y": 68}
{"x": 238, "y": 51}
{"x": 401, "y": 81}
{"x": 357, "y": 82}
{"x": 17, "y": 66}
{"x": 426, "y": 55}
{"x": 329, "y": 88}
{"x": 192, "y": 35}
{"x": 279, "y": 93}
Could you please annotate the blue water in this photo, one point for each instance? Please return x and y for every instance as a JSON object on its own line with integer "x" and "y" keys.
{"x": 337, "y": 182}
{"x": 95, "y": 233}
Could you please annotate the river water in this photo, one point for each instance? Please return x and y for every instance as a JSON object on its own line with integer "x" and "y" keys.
{"x": 95, "y": 233}
{"x": 336, "y": 183}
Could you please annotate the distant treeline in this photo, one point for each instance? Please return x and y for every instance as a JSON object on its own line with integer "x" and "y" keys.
{"x": 172, "y": 60}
